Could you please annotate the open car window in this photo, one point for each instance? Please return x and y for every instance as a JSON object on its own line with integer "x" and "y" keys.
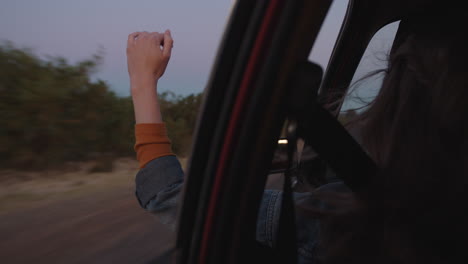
{"x": 67, "y": 124}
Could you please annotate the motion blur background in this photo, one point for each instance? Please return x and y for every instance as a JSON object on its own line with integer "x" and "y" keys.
{"x": 66, "y": 119}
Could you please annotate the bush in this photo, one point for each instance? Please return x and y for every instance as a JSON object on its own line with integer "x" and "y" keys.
{"x": 180, "y": 115}
{"x": 51, "y": 112}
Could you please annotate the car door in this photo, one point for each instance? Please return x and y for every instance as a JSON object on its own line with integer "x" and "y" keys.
{"x": 252, "y": 89}
{"x": 239, "y": 126}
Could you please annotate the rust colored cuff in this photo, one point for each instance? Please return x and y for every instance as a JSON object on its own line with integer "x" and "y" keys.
{"x": 151, "y": 142}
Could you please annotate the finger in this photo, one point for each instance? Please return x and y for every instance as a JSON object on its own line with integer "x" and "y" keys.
{"x": 158, "y": 37}
{"x": 168, "y": 32}
{"x": 168, "y": 43}
{"x": 145, "y": 34}
{"x": 132, "y": 37}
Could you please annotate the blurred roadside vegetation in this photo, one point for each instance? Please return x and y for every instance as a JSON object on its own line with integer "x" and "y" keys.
{"x": 51, "y": 112}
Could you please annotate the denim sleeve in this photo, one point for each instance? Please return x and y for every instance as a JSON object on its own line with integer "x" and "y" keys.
{"x": 307, "y": 228}
{"x": 158, "y": 187}
{"x": 268, "y": 222}
{"x": 268, "y": 217}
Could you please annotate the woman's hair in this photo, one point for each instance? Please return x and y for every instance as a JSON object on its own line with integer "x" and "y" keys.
{"x": 416, "y": 130}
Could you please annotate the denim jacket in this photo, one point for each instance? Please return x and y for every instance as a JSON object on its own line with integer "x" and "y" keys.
{"x": 159, "y": 184}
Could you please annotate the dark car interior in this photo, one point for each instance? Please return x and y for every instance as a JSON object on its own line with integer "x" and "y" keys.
{"x": 263, "y": 88}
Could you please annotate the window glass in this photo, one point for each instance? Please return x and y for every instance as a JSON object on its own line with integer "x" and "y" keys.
{"x": 365, "y": 85}
{"x": 325, "y": 42}
{"x": 320, "y": 54}
{"x": 362, "y": 91}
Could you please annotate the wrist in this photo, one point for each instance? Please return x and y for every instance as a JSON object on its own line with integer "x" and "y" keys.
{"x": 142, "y": 82}
{"x": 146, "y": 105}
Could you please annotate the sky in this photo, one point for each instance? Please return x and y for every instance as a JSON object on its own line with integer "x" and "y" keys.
{"x": 77, "y": 29}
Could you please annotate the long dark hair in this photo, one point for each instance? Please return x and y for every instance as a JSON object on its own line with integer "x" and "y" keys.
{"x": 416, "y": 130}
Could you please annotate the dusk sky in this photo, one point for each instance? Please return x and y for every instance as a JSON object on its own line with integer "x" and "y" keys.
{"x": 77, "y": 29}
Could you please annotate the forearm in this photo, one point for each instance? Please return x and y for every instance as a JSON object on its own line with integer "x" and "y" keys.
{"x": 150, "y": 133}
{"x": 145, "y": 101}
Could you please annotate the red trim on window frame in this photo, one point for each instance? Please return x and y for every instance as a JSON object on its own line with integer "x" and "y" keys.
{"x": 257, "y": 55}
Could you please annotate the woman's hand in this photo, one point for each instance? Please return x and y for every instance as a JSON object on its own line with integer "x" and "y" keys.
{"x": 147, "y": 56}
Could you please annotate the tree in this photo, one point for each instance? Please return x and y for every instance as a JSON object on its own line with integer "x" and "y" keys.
{"x": 180, "y": 115}
{"x": 51, "y": 112}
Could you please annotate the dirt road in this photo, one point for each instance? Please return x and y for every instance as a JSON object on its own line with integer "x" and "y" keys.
{"x": 102, "y": 226}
